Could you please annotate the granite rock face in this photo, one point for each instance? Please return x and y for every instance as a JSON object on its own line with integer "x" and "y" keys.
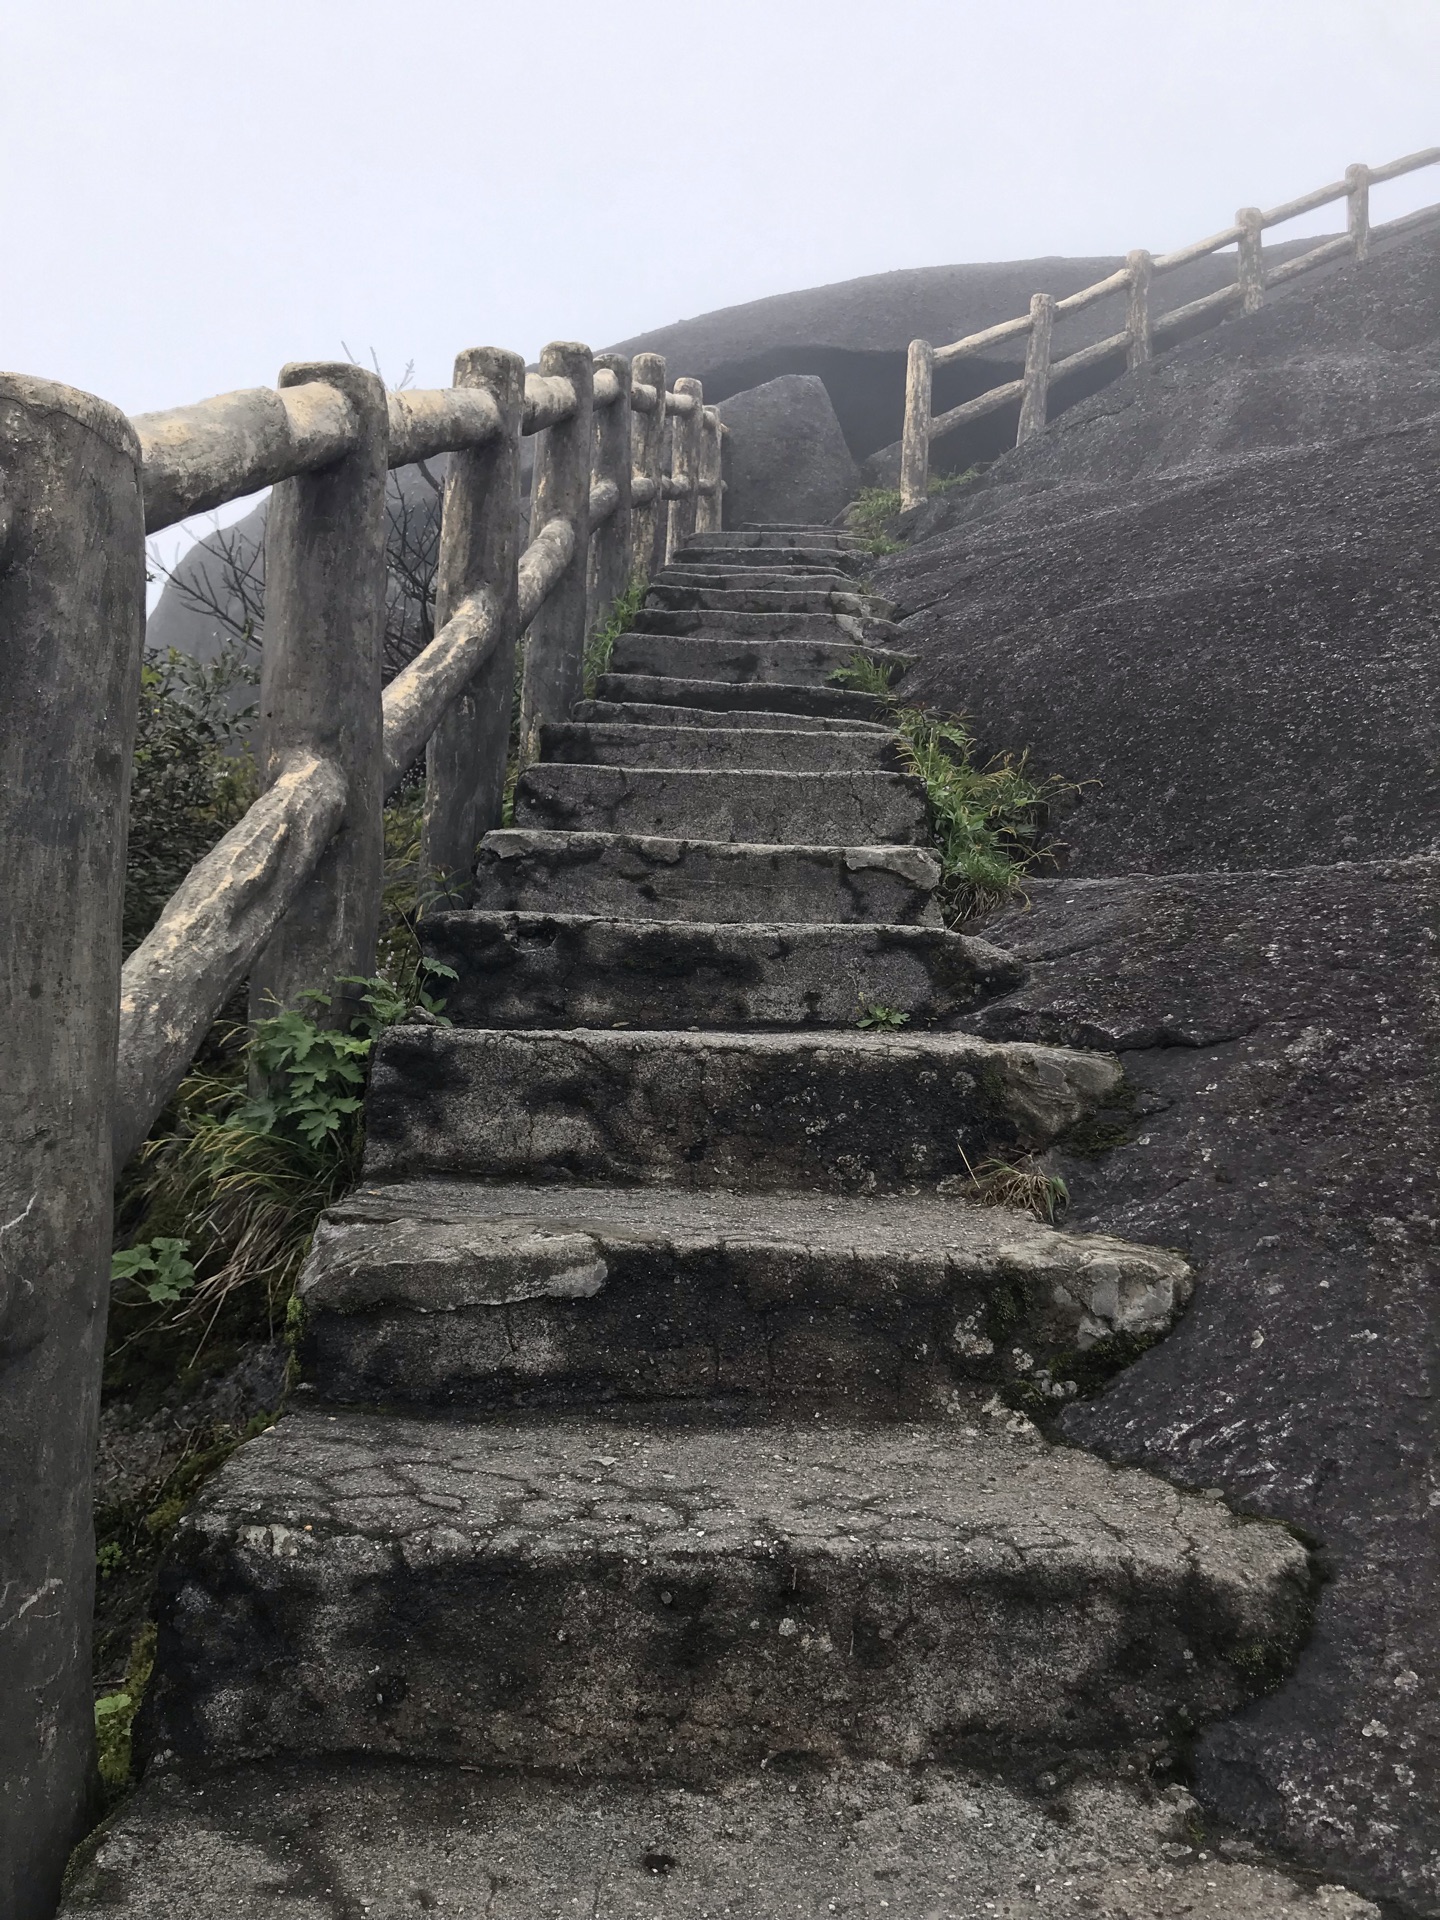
{"x": 1279, "y": 1033}
{"x": 1211, "y": 594}
{"x": 786, "y": 457}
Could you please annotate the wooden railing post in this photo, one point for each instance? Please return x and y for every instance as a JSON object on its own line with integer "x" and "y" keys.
{"x": 320, "y": 693}
{"x": 479, "y": 550}
{"x": 708, "y": 505}
{"x": 1357, "y": 209}
{"x": 647, "y": 455}
{"x": 685, "y": 464}
{"x": 72, "y": 612}
{"x": 610, "y": 563}
{"x": 1141, "y": 348}
{"x": 1250, "y": 263}
{"x": 1035, "y": 394}
{"x": 915, "y": 435}
{"x": 555, "y": 648}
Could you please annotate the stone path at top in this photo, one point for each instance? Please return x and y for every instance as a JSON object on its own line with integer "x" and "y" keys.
{"x": 651, "y": 1535}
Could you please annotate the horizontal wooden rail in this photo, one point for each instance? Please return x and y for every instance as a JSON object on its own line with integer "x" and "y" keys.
{"x": 442, "y": 421}
{"x": 1144, "y": 329}
{"x": 198, "y": 457}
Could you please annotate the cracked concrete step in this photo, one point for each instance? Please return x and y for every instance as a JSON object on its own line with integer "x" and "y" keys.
{"x": 748, "y": 579}
{"x": 795, "y": 597}
{"x": 578, "y": 743}
{"x": 839, "y": 809}
{"x": 796, "y": 561}
{"x": 486, "y": 1297}
{"x": 558, "y": 970}
{"x": 748, "y": 659}
{"x": 858, "y": 631}
{"x": 787, "y": 540}
{"x": 837, "y": 1112}
{"x": 639, "y": 713}
{"x": 286, "y": 1841}
{"x": 737, "y": 696}
{"x": 636, "y": 1598}
{"x": 639, "y": 877}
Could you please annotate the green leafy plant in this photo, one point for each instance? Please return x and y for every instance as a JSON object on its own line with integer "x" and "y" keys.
{"x": 159, "y": 1266}
{"x": 874, "y": 1015}
{"x": 861, "y": 674}
{"x": 601, "y": 644}
{"x": 942, "y": 483}
{"x": 115, "y": 1716}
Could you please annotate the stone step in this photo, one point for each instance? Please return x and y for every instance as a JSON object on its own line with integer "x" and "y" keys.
{"x": 633, "y": 877}
{"x": 795, "y": 597}
{"x": 488, "y": 1297}
{"x": 855, "y": 564}
{"x": 557, "y": 970}
{"x": 773, "y": 540}
{"x": 285, "y": 1840}
{"x": 749, "y": 579}
{"x": 792, "y": 660}
{"x": 836, "y": 1112}
{"x": 851, "y": 630}
{"x": 634, "y": 1597}
{"x": 843, "y": 809}
{"x": 732, "y": 697}
{"x": 578, "y": 743}
{"x": 639, "y": 713}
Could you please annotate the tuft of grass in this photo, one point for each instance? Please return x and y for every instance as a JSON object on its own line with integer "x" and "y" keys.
{"x": 941, "y": 483}
{"x": 601, "y": 644}
{"x": 861, "y": 674}
{"x": 1020, "y": 1184}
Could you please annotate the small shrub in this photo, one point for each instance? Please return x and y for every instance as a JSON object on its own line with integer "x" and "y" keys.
{"x": 875, "y": 1016}
{"x": 861, "y": 674}
{"x": 601, "y": 644}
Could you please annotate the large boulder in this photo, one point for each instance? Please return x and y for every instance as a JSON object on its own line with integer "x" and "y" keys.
{"x": 785, "y": 456}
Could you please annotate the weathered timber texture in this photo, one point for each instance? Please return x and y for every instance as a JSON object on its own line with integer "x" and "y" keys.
{"x": 198, "y": 457}
{"x": 216, "y": 921}
{"x": 685, "y": 463}
{"x": 1250, "y": 268}
{"x": 72, "y": 610}
{"x": 1141, "y": 347}
{"x": 915, "y": 437}
{"x": 1035, "y": 393}
{"x": 647, "y": 452}
{"x": 610, "y": 543}
{"x": 445, "y": 421}
{"x": 1357, "y": 209}
{"x": 555, "y": 643}
{"x": 320, "y": 689}
{"x": 710, "y": 485}
{"x": 479, "y": 555}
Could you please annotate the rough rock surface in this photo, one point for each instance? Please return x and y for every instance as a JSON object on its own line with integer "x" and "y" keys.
{"x": 1214, "y": 590}
{"x": 785, "y": 458}
{"x": 1279, "y": 1032}
{"x": 292, "y": 1842}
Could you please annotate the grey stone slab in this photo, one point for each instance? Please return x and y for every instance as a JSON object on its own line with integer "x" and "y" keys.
{"x": 631, "y": 877}
{"x": 858, "y": 629}
{"x": 738, "y": 696}
{"x": 478, "y": 1296}
{"x": 826, "y": 579}
{"x": 846, "y": 808}
{"x": 794, "y": 597}
{"x": 556, "y": 970}
{"x": 641, "y": 713}
{"x": 843, "y": 1112}
{"x": 798, "y": 659}
{"x": 637, "y": 1597}
{"x": 294, "y": 1841}
{"x": 784, "y": 453}
{"x": 822, "y": 540}
{"x": 667, "y": 744}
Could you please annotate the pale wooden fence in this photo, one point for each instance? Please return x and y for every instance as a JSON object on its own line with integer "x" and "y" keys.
{"x": 1144, "y": 332}
{"x": 291, "y": 896}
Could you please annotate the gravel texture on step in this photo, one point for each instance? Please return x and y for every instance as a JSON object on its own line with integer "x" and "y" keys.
{"x": 842, "y": 1112}
{"x": 557, "y": 970}
{"x": 857, "y": 629}
{"x": 634, "y": 877}
{"x": 797, "y": 597}
{"x": 841, "y": 809}
{"x": 721, "y": 696}
{"x": 288, "y": 1841}
{"x": 476, "y": 1295}
{"x": 826, "y": 579}
{"x": 636, "y": 1597}
{"x": 800, "y": 660}
{"x": 644, "y": 714}
{"x": 734, "y": 749}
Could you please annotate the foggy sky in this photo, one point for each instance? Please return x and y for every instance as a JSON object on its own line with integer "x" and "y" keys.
{"x": 193, "y": 194}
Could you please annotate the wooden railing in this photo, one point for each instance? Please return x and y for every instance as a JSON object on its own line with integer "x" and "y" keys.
{"x": 1144, "y": 332}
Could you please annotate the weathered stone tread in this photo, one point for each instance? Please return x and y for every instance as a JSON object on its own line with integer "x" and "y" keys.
{"x": 775, "y": 749}
{"x": 759, "y": 806}
{"x": 641, "y": 713}
{"x": 721, "y": 696}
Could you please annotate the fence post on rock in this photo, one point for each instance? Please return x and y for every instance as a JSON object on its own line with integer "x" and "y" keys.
{"x": 710, "y": 489}
{"x": 685, "y": 464}
{"x": 915, "y": 435}
{"x": 320, "y": 692}
{"x": 647, "y": 455}
{"x": 1140, "y": 349}
{"x": 610, "y": 547}
{"x": 72, "y": 615}
{"x": 1357, "y": 209}
{"x": 479, "y": 548}
{"x": 1035, "y": 395}
{"x": 555, "y": 647}
{"x": 1250, "y": 263}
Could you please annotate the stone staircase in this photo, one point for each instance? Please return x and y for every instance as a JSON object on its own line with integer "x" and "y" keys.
{"x": 653, "y": 1533}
